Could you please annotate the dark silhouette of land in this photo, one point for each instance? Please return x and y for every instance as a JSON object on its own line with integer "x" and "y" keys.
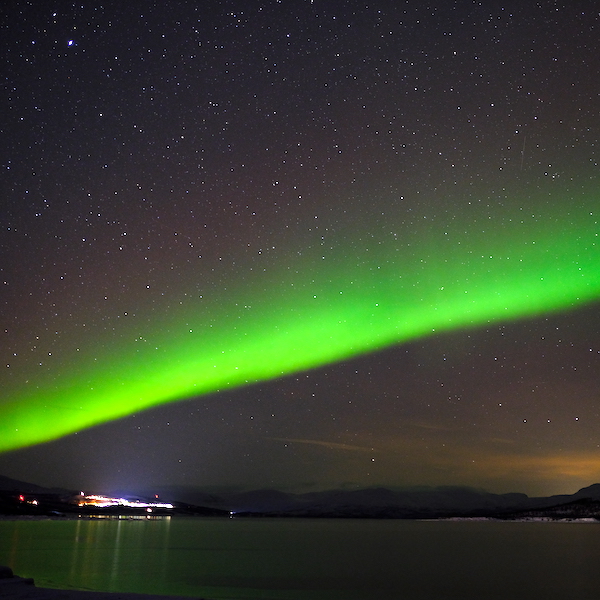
{"x": 22, "y": 499}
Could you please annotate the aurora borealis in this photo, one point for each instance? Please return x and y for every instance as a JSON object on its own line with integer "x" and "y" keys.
{"x": 534, "y": 267}
{"x": 238, "y": 206}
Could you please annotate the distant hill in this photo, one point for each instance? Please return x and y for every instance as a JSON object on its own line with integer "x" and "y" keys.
{"x": 422, "y": 502}
{"x": 380, "y": 503}
{"x": 583, "y": 508}
{"x": 14, "y": 485}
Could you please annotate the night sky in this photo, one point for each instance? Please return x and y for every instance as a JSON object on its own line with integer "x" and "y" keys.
{"x": 300, "y": 244}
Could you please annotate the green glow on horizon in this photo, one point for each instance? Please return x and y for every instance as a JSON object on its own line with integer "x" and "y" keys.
{"x": 318, "y": 311}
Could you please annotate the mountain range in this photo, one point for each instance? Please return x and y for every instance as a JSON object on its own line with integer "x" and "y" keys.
{"x": 422, "y": 502}
{"x": 377, "y": 502}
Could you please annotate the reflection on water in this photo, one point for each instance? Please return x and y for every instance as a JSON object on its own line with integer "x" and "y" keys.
{"x": 96, "y": 554}
{"x": 106, "y": 552}
{"x": 304, "y": 559}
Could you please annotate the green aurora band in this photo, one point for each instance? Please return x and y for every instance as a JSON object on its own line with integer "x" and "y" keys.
{"x": 316, "y": 310}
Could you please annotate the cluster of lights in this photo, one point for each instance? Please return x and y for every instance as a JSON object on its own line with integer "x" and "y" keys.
{"x": 33, "y": 501}
{"x": 105, "y": 501}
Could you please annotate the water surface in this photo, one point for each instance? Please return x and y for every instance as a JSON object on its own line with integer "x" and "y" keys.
{"x": 310, "y": 559}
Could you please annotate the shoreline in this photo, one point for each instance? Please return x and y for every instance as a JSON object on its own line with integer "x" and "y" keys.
{"x": 13, "y": 587}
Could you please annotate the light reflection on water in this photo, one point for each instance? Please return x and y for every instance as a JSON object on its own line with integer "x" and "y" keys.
{"x": 107, "y": 552}
{"x": 305, "y": 559}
